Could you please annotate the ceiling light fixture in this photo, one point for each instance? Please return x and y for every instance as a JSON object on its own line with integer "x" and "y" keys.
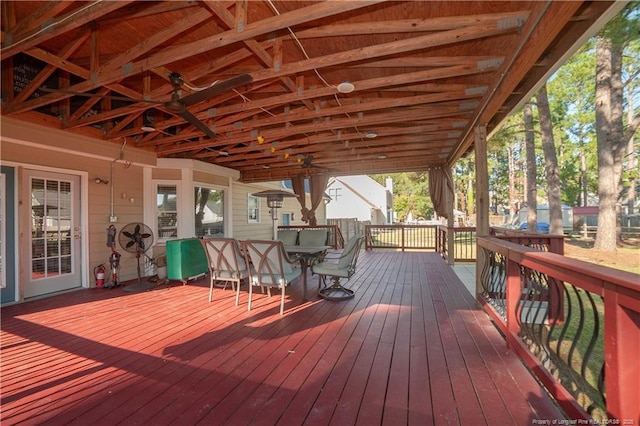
{"x": 371, "y": 135}
{"x": 345, "y": 87}
{"x": 382, "y": 156}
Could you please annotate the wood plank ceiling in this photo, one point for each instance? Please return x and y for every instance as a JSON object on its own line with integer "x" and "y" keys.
{"x": 424, "y": 73}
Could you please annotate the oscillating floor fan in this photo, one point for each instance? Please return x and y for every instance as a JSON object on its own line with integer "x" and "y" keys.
{"x": 137, "y": 238}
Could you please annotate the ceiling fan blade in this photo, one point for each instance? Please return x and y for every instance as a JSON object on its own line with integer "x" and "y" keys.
{"x": 216, "y": 89}
{"x": 197, "y": 123}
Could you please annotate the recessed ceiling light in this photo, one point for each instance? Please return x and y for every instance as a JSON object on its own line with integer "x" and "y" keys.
{"x": 148, "y": 129}
{"x": 371, "y": 135}
{"x": 345, "y": 87}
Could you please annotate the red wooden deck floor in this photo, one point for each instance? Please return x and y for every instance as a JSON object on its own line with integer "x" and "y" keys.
{"x": 410, "y": 348}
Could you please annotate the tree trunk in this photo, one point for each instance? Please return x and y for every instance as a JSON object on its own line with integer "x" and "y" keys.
{"x": 611, "y": 144}
{"x": 513, "y": 195}
{"x": 471, "y": 203}
{"x": 632, "y": 163}
{"x": 551, "y": 171}
{"x": 583, "y": 176}
{"x": 530, "y": 149}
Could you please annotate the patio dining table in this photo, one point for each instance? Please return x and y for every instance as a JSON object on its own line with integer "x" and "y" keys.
{"x": 306, "y": 255}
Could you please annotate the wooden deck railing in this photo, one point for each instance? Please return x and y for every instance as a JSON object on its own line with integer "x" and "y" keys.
{"x": 553, "y": 243}
{"x": 575, "y": 324}
{"x": 423, "y": 237}
{"x": 464, "y": 246}
{"x": 403, "y": 237}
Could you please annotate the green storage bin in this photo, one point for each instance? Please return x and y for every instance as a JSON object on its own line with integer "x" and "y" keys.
{"x": 186, "y": 259}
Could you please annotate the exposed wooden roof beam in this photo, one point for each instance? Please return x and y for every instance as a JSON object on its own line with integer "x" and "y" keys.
{"x": 74, "y": 19}
{"x": 339, "y": 123}
{"x": 407, "y": 25}
{"x": 175, "y": 53}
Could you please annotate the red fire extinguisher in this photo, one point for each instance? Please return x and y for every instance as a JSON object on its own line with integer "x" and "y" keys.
{"x": 98, "y": 273}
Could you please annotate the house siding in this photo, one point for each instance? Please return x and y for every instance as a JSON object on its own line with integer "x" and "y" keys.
{"x": 242, "y": 229}
{"x": 37, "y": 148}
{"x": 359, "y": 197}
{"x": 135, "y": 175}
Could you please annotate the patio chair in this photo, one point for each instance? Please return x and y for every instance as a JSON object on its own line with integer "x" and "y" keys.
{"x": 288, "y": 236}
{"x": 226, "y": 263}
{"x": 338, "y": 267}
{"x": 312, "y": 237}
{"x": 271, "y": 267}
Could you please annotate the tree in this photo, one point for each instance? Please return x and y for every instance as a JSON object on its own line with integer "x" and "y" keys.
{"x": 504, "y": 160}
{"x": 552, "y": 174}
{"x": 612, "y": 136}
{"x": 410, "y": 194}
{"x": 463, "y": 176}
{"x": 571, "y": 94}
{"x": 530, "y": 149}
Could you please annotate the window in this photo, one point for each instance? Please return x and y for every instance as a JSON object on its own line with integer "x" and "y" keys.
{"x": 167, "y": 211}
{"x": 209, "y": 212}
{"x": 253, "y": 209}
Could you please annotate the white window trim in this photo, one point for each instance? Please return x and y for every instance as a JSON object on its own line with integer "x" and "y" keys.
{"x": 185, "y": 186}
{"x": 226, "y": 197}
{"x": 259, "y": 204}
{"x": 155, "y": 185}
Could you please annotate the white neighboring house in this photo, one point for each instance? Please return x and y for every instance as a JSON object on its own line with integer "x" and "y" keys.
{"x": 362, "y": 198}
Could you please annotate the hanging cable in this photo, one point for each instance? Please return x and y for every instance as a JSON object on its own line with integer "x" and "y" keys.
{"x": 304, "y": 52}
{"x": 51, "y": 25}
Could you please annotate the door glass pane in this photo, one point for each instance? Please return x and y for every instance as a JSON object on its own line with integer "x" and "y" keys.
{"x": 37, "y": 228}
{"x": 209, "y": 212}
{"x": 65, "y": 264}
{"x": 53, "y": 267}
{"x": 50, "y": 228}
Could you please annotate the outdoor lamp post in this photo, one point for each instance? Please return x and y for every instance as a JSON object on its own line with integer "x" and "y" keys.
{"x": 275, "y": 200}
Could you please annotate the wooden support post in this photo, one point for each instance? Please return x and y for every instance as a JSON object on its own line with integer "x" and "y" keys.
{"x": 621, "y": 348}
{"x": 482, "y": 198}
{"x": 451, "y": 240}
{"x": 513, "y": 294}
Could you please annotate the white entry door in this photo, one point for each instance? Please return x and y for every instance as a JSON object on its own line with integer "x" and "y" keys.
{"x": 54, "y": 262}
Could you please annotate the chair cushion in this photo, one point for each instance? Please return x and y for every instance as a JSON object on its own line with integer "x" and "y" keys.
{"x": 332, "y": 269}
{"x": 267, "y": 279}
{"x": 224, "y": 274}
{"x": 313, "y": 237}
{"x": 289, "y": 237}
{"x": 350, "y": 250}
{"x": 225, "y": 258}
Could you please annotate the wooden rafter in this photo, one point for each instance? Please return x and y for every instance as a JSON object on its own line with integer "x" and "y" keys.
{"x": 423, "y": 75}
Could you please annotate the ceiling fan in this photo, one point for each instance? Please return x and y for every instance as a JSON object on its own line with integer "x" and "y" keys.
{"x": 307, "y": 163}
{"x": 177, "y": 105}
